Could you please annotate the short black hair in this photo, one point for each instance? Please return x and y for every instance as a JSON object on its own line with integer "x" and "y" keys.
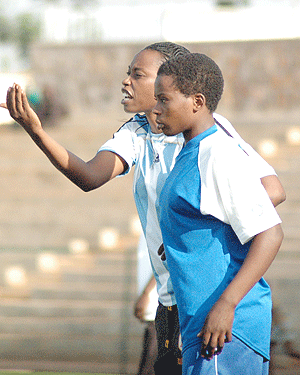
{"x": 196, "y": 73}
{"x": 168, "y": 49}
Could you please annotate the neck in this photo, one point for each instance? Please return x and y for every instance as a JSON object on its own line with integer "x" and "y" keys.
{"x": 153, "y": 125}
{"x": 205, "y": 123}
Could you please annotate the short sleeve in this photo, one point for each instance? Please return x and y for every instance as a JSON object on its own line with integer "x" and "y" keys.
{"x": 262, "y": 168}
{"x": 123, "y": 144}
{"x": 246, "y": 203}
{"x": 231, "y": 190}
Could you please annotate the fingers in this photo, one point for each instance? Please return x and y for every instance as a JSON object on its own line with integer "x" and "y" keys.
{"x": 207, "y": 349}
{"x": 3, "y": 105}
{"x": 138, "y": 310}
{"x": 18, "y": 99}
{"x": 161, "y": 249}
{"x": 228, "y": 337}
{"x": 14, "y": 100}
{"x": 212, "y": 344}
{"x": 161, "y": 252}
{"x": 26, "y": 105}
{"x": 10, "y": 101}
{"x": 138, "y": 313}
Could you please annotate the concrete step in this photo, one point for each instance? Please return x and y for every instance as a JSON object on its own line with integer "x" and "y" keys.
{"x": 95, "y": 277}
{"x": 284, "y": 279}
{"x": 291, "y": 231}
{"x": 59, "y": 308}
{"x": 100, "y": 291}
{"x": 96, "y": 348}
{"x": 74, "y": 366}
{"x": 290, "y": 245}
{"x": 66, "y": 259}
{"x": 284, "y": 268}
{"x": 88, "y": 269}
{"x": 70, "y": 327}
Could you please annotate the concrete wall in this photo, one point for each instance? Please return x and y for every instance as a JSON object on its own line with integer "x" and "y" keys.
{"x": 261, "y": 77}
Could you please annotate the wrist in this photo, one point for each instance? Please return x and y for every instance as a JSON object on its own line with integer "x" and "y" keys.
{"x": 38, "y": 135}
{"x": 231, "y": 301}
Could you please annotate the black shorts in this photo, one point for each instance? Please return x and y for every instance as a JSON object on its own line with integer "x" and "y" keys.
{"x": 169, "y": 359}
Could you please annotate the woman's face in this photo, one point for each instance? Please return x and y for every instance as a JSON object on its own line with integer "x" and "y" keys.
{"x": 174, "y": 111}
{"x": 138, "y": 87}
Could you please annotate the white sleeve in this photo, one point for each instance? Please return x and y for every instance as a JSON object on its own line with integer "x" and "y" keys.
{"x": 232, "y": 192}
{"x": 123, "y": 145}
{"x": 261, "y": 166}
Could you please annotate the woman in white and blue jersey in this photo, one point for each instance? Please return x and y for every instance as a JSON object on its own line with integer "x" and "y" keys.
{"x": 220, "y": 229}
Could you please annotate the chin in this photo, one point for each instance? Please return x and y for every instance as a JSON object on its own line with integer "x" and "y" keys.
{"x": 131, "y": 109}
{"x": 167, "y": 132}
{"x": 128, "y": 110}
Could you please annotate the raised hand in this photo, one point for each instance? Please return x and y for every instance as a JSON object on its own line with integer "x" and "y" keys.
{"x": 20, "y": 110}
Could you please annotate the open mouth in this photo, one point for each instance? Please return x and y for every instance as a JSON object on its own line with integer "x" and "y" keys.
{"x": 159, "y": 125}
{"x": 126, "y": 95}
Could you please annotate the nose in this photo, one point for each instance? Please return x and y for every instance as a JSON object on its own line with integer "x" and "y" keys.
{"x": 126, "y": 81}
{"x": 156, "y": 109}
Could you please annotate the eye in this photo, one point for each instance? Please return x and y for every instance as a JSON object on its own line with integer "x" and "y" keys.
{"x": 137, "y": 75}
{"x": 163, "y": 100}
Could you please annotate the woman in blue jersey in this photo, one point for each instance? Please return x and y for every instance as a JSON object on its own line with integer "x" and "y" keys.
{"x": 220, "y": 229}
{"x": 137, "y": 143}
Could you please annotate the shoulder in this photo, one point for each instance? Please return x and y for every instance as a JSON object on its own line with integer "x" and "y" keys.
{"x": 226, "y": 126}
{"x": 219, "y": 142}
{"x": 225, "y": 152}
{"x": 138, "y": 124}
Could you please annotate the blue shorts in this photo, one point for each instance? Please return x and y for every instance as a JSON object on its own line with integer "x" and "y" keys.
{"x": 236, "y": 358}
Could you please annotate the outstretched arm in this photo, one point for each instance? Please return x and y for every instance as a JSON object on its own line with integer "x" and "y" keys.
{"x": 86, "y": 175}
{"x": 218, "y": 325}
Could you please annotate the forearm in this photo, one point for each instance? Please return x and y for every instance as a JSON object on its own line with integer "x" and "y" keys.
{"x": 74, "y": 168}
{"x": 261, "y": 254}
{"x": 86, "y": 175}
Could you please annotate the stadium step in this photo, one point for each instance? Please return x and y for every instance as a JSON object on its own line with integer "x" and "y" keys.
{"x": 83, "y": 311}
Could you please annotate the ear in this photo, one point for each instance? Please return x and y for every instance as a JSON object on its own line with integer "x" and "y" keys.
{"x": 199, "y": 101}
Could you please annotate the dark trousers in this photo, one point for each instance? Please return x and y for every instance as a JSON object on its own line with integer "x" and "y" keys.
{"x": 169, "y": 361}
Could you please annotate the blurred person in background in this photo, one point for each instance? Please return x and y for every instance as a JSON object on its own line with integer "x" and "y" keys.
{"x": 145, "y": 308}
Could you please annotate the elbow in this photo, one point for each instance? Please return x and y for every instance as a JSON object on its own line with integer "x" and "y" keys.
{"x": 86, "y": 184}
{"x": 87, "y": 188}
{"x": 279, "y": 235}
{"x": 279, "y": 198}
{"x": 283, "y": 197}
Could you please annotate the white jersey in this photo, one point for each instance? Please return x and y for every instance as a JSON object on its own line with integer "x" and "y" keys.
{"x": 153, "y": 156}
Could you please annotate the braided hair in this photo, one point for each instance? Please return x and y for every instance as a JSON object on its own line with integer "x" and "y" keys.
{"x": 168, "y": 49}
